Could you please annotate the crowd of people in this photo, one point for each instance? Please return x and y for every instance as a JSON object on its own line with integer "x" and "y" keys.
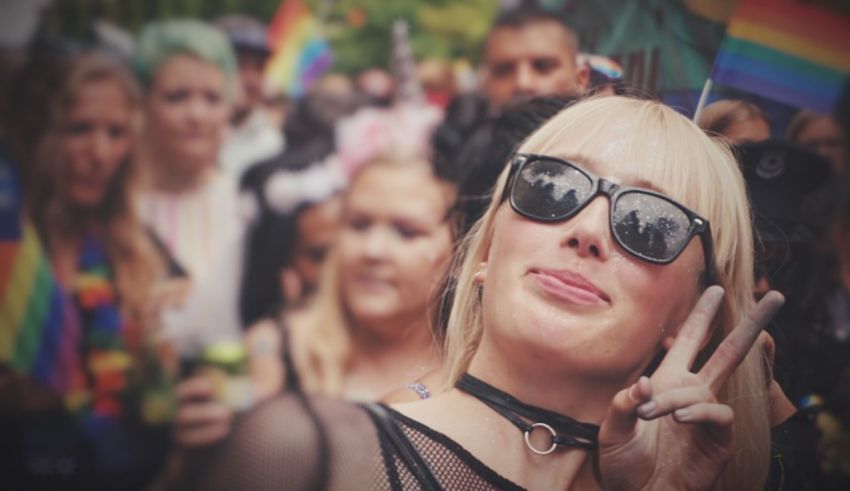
{"x": 547, "y": 282}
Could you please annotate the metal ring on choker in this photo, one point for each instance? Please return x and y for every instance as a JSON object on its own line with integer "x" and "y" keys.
{"x": 531, "y": 447}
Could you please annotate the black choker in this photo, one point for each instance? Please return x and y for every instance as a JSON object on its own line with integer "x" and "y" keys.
{"x": 565, "y": 430}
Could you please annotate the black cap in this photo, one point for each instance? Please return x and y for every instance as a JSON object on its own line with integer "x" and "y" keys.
{"x": 245, "y": 33}
{"x": 780, "y": 175}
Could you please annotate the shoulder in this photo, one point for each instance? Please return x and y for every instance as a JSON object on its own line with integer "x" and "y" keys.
{"x": 263, "y": 337}
{"x": 325, "y": 444}
{"x": 410, "y": 393}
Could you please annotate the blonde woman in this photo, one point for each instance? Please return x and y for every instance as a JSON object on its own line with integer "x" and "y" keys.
{"x": 591, "y": 291}
{"x": 368, "y": 329}
{"x": 589, "y": 346}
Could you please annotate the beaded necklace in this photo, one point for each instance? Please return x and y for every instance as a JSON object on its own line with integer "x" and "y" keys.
{"x": 100, "y": 383}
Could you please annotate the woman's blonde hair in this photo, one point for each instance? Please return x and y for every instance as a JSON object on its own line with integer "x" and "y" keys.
{"x": 696, "y": 171}
{"x": 134, "y": 261}
{"x": 326, "y": 351}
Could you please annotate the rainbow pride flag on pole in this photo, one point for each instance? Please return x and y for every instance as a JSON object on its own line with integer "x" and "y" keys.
{"x": 786, "y": 50}
{"x": 300, "y": 53}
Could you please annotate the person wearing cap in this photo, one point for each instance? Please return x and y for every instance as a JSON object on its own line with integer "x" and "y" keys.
{"x": 253, "y": 136}
{"x": 781, "y": 177}
{"x": 606, "y": 75}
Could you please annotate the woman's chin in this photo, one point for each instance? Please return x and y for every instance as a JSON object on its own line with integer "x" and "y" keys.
{"x": 188, "y": 157}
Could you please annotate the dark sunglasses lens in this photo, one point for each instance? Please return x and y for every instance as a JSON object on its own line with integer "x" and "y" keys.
{"x": 549, "y": 189}
{"x": 650, "y": 226}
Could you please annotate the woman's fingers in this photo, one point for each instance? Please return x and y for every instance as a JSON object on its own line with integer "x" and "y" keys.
{"x": 718, "y": 420}
{"x": 668, "y": 401}
{"x": 197, "y": 388}
{"x": 200, "y": 419}
{"x": 203, "y": 413}
{"x": 202, "y": 423}
{"x": 620, "y": 421}
{"x": 202, "y": 435}
{"x": 692, "y": 333}
{"x": 737, "y": 344}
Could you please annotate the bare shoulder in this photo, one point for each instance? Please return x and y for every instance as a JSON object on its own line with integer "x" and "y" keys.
{"x": 264, "y": 331}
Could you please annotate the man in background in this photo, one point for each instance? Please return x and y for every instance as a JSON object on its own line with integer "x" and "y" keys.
{"x": 253, "y": 136}
{"x": 531, "y": 52}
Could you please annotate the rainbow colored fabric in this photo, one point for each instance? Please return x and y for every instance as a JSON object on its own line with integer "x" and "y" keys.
{"x": 300, "y": 53}
{"x": 38, "y": 331}
{"x": 99, "y": 389}
{"x": 787, "y": 51}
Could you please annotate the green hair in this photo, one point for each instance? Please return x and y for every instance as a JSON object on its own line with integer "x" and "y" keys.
{"x": 161, "y": 40}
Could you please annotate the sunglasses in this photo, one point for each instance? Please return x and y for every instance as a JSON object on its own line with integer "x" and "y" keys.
{"x": 647, "y": 224}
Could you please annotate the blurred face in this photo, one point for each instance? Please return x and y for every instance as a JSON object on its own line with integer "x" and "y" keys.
{"x": 747, "y": 131}
{"x": 394, "y": 245}
{"x": 251, "y": 64}
{"x": 187, "y": 111}
{"x": 317, "y": 229}
{"x": 529, "y": 61}
{"x": 567, "y": 296}
{"x": 823, "y": 136}
{"x": 95, "y": 141}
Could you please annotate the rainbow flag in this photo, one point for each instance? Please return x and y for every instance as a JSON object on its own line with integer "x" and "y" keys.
{"x": 38, "y": 331}
{"x": 300, "y": 53}
{"x": 787, "y": 51}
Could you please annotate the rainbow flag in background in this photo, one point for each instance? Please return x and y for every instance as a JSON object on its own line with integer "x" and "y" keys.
{"x": 787, "y": 51}
{"x": 300, "y": 53}
{"x": 38, "y": 331}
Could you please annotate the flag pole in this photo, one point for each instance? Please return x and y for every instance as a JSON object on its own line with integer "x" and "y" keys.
{"x": 703, "y": 97}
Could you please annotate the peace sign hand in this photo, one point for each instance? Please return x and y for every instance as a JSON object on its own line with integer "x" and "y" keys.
{"x": 669, "y": 431}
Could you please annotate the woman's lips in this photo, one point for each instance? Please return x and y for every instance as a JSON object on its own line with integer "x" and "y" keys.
{"x": 570, "y": 287}
{"x": 373, "y": 283}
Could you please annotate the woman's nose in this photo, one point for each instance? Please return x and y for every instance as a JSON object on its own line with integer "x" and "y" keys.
{"x": 375, "y": 243}
{"x": 588, "y": 232}
{"x": 198, "y": 108}
{"x": 101, "y": 146}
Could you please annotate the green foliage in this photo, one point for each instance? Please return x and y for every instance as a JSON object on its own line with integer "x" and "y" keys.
{"x": 359, "y": 30}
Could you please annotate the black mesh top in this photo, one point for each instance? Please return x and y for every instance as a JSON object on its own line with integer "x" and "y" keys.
{"x": 294, "y": 442}
{"x": 452, "y": 465}
{"x": 298, "y": 443}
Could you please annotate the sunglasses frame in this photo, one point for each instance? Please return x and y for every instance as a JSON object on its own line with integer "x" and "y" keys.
{"x": 698, "y": 225}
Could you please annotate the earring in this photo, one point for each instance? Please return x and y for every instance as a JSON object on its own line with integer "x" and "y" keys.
{"x": 478, "y": 277}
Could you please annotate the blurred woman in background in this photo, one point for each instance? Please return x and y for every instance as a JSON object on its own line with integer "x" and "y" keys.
{"x": 819, "y": 133}
{"x": 368, "y": 329}
{"x": 738, "y": 121}
{"x": 188, "y": 70}
{"x": 103, "y": 258}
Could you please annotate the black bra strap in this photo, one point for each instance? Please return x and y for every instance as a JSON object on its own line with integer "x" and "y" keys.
{"x": 407, "y": 452}
{"x": 292, "y": 381}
